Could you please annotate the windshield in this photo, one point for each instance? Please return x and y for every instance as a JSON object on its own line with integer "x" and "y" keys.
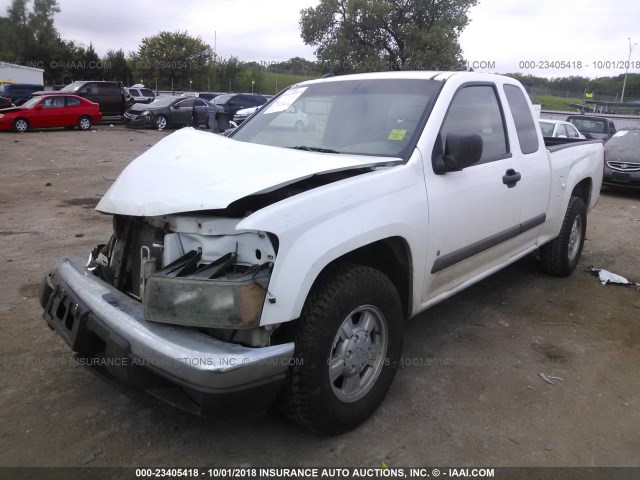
{"x": 366, "y": 117}
{"x": 589, "y": 125}
{"x": 547, "y": 128}
{"x": 222, "y": 99}
{"x": 32, "y": 103}
{"x": 72, "y": 87}
{"x": 164, "y": 101}
{"x": 625, "y": 139}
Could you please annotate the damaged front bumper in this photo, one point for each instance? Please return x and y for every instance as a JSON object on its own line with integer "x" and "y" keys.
{"x": 179, "y": 365}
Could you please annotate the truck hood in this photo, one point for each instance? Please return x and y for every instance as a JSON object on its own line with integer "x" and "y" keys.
{"x": 191, "y": 171}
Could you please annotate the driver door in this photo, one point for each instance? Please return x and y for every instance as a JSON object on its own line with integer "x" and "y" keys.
{"x": 473, "y": 214}
{"x": 181, "y": 112}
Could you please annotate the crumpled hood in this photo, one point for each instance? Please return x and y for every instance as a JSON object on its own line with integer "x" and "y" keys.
{"x": 141, "y": 107}
{"x": 622, "y": 154}
{"x": 191, "y": 171}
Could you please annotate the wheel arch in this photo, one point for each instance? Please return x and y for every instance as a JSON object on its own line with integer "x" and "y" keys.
{"x": 392, "y": 256}
{"x": 583, "y": 190}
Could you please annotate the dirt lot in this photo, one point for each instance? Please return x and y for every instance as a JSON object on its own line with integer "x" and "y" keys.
{"x": 469, "y": 393}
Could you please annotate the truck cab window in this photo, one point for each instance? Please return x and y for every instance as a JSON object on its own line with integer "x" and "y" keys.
{"x": 476, "y": 110}
{"x": 525, "y": 127}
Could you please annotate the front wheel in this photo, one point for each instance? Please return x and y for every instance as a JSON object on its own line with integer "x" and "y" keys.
{"x": 348, "y": 345}
{"x": 160, "y": 122}
{"x": 20, "y": 125}
{"x": 84, "y": 123}
{"x": 560, "y": 256}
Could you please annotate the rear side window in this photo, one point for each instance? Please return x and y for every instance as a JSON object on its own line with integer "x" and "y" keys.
{"x": 525, "y": 128}
{"x": 72, "y": 102}
{"x": 109, "y": 89}
{"x": 53, "y": 102}
{"x": 186, "y": 103}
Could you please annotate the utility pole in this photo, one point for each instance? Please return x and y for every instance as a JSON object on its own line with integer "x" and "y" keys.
{"x": 624, "y": 83}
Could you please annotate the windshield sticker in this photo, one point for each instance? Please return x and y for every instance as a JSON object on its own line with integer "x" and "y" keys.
{"x": 621, "y": 134}
{"x": 397, "y": 134}
{"x": 285, "y": 100}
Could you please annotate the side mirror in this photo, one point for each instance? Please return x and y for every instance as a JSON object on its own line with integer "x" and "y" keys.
{"x": 39, "y": 106}
{"x": 460, "y": 151}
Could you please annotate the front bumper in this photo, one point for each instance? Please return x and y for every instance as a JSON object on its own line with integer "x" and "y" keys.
{"x": 136, "y": 121}
{"x": 182, "y": 366}
{"x": 621, "y": 178}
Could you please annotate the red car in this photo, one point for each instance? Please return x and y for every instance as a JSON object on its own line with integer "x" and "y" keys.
{"x": 66, "y": 111}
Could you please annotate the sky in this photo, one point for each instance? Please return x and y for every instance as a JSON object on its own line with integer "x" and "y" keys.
{"x": 550, "y": 38}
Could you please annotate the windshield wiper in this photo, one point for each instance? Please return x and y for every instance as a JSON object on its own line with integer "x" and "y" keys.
{"x": 314, "y": 149}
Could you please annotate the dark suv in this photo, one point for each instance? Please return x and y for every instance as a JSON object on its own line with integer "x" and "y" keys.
{"x": 227, "y": 105}
{"x": 110, "y": 96}
{"x": 592, "y": 127}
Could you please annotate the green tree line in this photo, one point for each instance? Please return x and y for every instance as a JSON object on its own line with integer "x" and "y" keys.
{"x": 607, "y": 89}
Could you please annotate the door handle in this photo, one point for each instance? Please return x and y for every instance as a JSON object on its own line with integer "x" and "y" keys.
{"x": 511, "y": 177}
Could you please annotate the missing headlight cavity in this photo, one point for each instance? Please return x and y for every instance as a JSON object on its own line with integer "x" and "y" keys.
{"x": 220, "y": 294}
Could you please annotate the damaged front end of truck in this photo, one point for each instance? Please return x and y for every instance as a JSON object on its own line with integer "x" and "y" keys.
{"x": 177, "y": 293}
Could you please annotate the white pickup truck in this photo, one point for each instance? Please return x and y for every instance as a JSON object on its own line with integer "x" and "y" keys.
{"x": 278, "y": 265}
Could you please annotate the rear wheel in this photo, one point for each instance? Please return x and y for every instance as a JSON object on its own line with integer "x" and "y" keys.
{"x": 560, "y": 256}
{"x": 84, "y": 123}
{"x": 20, "y": 125}
{"x": 348, "y": 344}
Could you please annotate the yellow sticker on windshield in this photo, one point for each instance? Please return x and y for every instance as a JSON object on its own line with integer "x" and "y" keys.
{"x": 397, "y": 134}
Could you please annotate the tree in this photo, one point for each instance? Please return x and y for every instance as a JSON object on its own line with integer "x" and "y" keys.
{"x": 18, "y": 32}
{"x": 173, "y": 58}
{"x": 356, "y": 35}
{"x": 90, "y": 67}
{"x": 222, "y": 75}
{"x": 46, "y": 40}
{"x": 116, "y": 67}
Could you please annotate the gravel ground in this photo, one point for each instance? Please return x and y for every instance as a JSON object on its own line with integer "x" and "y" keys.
{"x": 469, "y": 392}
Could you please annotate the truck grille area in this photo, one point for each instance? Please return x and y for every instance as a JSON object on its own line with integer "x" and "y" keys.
{"x": 133, "y": 243}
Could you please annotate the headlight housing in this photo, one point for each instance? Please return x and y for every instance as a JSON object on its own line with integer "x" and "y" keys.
{"x": 209, "y": 296}
{"x": 145, "y": 113}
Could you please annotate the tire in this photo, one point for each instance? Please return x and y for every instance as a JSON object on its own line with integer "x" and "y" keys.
{"x": 348, "y": 345}
{"x": 299, "y": 126}
{"x": 20, "y": 125}
{"x": 560, "y": 256}
{"x": 160, "y": 122}
{"x": 84, "y": 123}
